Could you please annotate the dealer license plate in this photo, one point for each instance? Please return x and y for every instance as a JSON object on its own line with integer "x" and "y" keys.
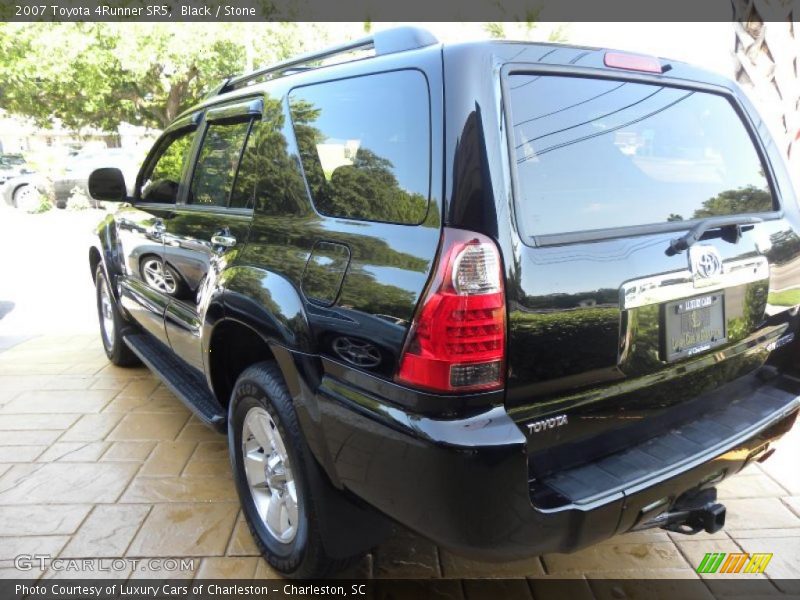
{"x": 693, "y": 325}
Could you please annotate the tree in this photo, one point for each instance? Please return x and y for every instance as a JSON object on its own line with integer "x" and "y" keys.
{"x": 368, "y": 189}
{"x": 740, "y": 201}
{"x": 529, "y": 29}
{"x": 101, "y": 74}
{"x": 767, "y": 53}
{"x": 365, "y": 189}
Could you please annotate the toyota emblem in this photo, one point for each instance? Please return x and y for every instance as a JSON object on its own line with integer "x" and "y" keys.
{"x": 705, "y": 263}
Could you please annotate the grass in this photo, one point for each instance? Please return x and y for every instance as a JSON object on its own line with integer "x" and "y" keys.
{"x": 785, "y": 298}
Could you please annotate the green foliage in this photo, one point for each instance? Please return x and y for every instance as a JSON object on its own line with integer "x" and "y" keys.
{"x": 528, "y": 29}
{"x": 365, "y": 189}
{"x": 170, "y": 163}
{"x": 101, "y": 74}
{"x": 78, "y": 200}
{"x": 749, "y": 199}
{"x": 559, "y": 34}
{"x": 267, "y": 172}
{"x": 44, "y": 205}
{"x": 368, "y": 189}
{"x": 495, "y": 30}
{"x": 557, "y": 343}
{"x": 607, "y": 296}
{"x": 785, "y": 298}
{"x": 216, "y": 165}
{"x": 756, "y": 297}
{"x": 785, "y": 247}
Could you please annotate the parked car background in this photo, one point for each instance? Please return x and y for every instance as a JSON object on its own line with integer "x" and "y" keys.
{"x": 22, "y": 187}
{"x": 24, "y": 191}
{"x": 12, "y": 165}
{"x": 76, "y": 173}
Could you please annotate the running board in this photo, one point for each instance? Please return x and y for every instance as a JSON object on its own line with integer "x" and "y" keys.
{"x": 185, "y": 382}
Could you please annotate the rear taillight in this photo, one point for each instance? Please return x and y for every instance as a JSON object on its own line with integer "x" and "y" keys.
{"x": 458, "y": 338}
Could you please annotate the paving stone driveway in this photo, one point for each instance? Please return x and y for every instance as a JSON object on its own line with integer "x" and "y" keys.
{"x": 102, "y": 462}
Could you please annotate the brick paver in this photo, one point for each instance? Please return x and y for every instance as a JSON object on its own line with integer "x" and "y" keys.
{"x": 102, "y": 462}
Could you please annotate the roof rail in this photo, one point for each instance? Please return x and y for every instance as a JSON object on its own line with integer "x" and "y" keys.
{"x": 384, "y": 42}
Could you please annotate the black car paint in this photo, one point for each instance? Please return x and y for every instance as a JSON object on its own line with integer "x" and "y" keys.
{"x": 456, "y": 468}
{"x": 583, "y": 371}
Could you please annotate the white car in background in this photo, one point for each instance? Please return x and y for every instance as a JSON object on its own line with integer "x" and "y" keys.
{"x": 76, "y": 174}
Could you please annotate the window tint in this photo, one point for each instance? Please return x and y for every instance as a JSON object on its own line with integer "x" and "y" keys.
{"x": 216, "y": 165}
{"x": 595, "y": 154}
{"x": 365, "y": 145}
{"x": 269, "y": 178}
{"x": 162, "y": 183}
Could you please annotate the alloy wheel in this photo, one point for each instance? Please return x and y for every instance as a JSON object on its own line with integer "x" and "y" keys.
{"x": 269, "y": 475}
{"x": 157, "y": 276}
{"x": 107, "y": 315}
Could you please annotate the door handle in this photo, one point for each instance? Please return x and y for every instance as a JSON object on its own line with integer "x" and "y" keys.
{"x": 227, "y": 241}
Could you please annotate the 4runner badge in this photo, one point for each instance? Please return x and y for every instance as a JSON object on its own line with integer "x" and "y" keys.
{"x": 548, "y": 423}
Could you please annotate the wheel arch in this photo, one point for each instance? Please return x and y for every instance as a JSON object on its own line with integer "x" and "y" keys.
{"x": 104, "y": 251}
{"x": 94, "y": 260}
{"x": 233, "y": 347}
{"x": 268, "y": 303}
{"x": 257, "y": 315}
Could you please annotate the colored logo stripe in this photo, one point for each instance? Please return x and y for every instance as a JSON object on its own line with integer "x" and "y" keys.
{"x": 735, "y": 562}
{"x": 758, "y": 563}
{"x": 711, "y": 562}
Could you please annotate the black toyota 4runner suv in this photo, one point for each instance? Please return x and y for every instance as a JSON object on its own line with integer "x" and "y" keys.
{"x": 516, "y": 297}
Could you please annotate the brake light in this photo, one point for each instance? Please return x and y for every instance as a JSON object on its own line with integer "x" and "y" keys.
{"x": 458, "y": 338}
{"x": 632, "y": 62}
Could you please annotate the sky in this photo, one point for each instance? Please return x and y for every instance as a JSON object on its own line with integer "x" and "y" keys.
{"x": 707, "y": 45}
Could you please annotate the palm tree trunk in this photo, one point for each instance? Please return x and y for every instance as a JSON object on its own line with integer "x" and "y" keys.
{"x": 767, "y": 53}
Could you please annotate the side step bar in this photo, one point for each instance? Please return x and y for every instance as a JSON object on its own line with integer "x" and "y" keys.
{"x": 184, "y": 381}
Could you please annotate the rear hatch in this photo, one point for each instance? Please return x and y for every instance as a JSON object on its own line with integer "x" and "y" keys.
{"x": 649, "y": 225}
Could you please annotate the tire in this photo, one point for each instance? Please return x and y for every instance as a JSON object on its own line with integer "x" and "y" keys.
{"x": 260, "y": 395}
{"x": 26, "y": 197}
{"x": 112, "y": 325}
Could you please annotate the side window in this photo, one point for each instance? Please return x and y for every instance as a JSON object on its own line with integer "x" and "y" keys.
{"x": 269, "y": 179}
{"x": 364, "y": 144}
{"x": 162, "y": 182}
{"x": 217, "y": 163}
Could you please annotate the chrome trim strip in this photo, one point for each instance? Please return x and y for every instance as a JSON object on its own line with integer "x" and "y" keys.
{"x": 681, "y": 284}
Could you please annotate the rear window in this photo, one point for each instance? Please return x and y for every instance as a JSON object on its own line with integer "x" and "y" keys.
{"x": 596, "y": 154}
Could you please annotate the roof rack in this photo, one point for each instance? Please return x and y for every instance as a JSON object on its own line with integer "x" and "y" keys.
{"x": 384, "y": 42}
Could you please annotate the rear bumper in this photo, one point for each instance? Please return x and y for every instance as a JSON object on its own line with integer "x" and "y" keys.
{"x": 464, "y": 483}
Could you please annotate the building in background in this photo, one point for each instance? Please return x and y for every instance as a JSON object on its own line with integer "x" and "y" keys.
{"x": 49, "y": 150}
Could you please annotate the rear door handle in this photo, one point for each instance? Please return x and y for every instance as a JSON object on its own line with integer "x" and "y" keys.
{"x": 227, "y": 241}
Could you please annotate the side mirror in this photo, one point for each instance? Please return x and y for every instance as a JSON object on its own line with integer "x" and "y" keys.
{"x": 107, "y": 184}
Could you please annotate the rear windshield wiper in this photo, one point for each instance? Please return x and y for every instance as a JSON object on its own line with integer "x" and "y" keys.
{"x": 733, "y": 225}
